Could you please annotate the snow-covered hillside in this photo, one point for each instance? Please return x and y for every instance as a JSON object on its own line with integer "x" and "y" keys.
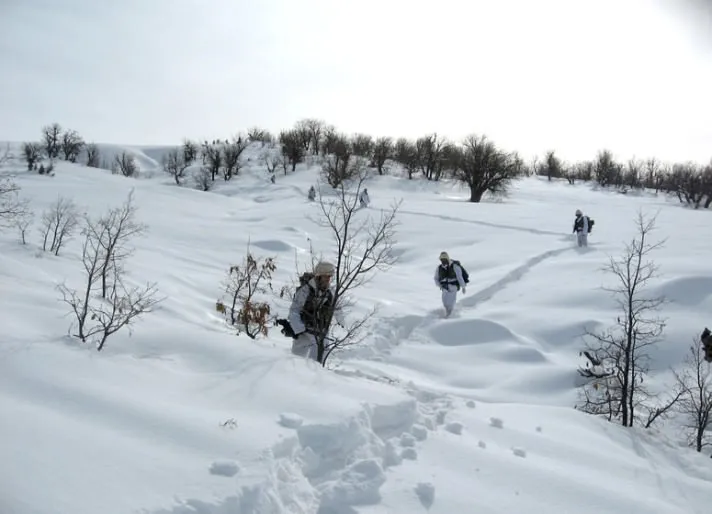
{"x": 471, "y": 414}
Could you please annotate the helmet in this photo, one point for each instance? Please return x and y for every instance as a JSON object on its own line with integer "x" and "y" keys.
{"x": 324, "y": 268}
{"x": 578, "y": 212}
{"x": 444, "y": 256}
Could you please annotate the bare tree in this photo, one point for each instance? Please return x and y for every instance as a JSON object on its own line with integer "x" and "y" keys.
{"x": 654, "y": 174}
{"x": 91, "y": 261}
{"x": 97, "y": 317}
{"x": 429, "y": 152}
{"x": 117, "y": 227}
{"x": 23, "y": 222}
{"x": 12, "y": 207}
{"x": 382, "y": 151}
{"x": 245, "y": 284}
{"x": 258, "y": 135}
{"x": 341, "y": 164}
{"x": 362, "y": 145}
{"x": 212, "y": 159}
{"x": 125, "y": 163}
{"x": 271, "y": 161}
{"x": 58, "y": 224}
{"x": 362, "y": 246}
{"x": 51, "y": 139}
{"x": 483, "y": 167}
{"x": 292, "y": 147}
{"x": 607, "y": 171}
{"x": 6, "y": 155}
{"x": 232, "y": 152}
{"x": 72, "y": 144}
{"x": 190, "y": 151}
{"x": 310, "y": 133}
{"x": 633, "y": 174}
{"x": 203, "y": 179}
{"x": 93, "y": 156}
{"x": 406, "y": 154}
{"x": 618, "y": 360}
{"x": 32, "y": 153}
{"x": 174, "y": 163}
{"x": 584, "y": 170}
{"x": 329, "y": 138}
{"x": 695, "y": 405}
{"x": 551, "y": 167}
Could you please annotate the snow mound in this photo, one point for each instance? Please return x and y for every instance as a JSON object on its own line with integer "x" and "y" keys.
{"x": 290, "y": 420}
{"x": 471, "y": 331}
{"x": 689, "y": 291}
{"x": 426, "y": 494}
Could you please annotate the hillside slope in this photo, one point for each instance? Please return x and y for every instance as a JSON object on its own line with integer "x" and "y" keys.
{"x": 469, "y": 414}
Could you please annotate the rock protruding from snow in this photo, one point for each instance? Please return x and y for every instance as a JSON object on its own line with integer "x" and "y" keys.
{"x": 454, "y": 427}
{"x": 426, "y": 494}
{"x": 496, "y": 422}
{"x": 519, "y": 452}
{"x": 470, "y": 404}
{"x": 224, "y": 468}
{"x": 290, "y": 420}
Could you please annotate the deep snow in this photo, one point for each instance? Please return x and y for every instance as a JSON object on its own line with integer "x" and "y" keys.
{"x": 468, "y": 414}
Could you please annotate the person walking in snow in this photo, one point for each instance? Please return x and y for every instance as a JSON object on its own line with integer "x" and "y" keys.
{"x": 582, "y": 227}
{"x": 450, "y": 278}
{"x": 311, "y": 310}
{"x": 364, "y": 198}
{"x": 312, "y": 194}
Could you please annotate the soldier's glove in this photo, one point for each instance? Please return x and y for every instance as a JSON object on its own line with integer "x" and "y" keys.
{"x": 287, "y": 330}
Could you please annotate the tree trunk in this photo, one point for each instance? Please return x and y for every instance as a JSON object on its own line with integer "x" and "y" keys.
{"x": 476, "y": 195}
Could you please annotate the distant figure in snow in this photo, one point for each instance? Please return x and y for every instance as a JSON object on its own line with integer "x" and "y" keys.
{"x": 706, "y": 340}
{"x": 450, "y": 277}
{"x": 312, "y": 194}
{"x": 311, "y": 310}
{"x": 582, "y": 228}
{"x": 364, "y": 198}
{"x": 273, "y": 179}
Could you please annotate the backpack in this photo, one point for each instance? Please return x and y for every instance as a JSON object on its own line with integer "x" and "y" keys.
{"x": 305, "y": 277}
{"x": 591, "y": 221}
{"x": 465, "y": 274}
{"x": 287, "y": 330}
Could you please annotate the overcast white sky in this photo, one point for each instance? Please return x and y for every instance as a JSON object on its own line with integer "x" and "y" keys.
{"x": 574, "y": 76}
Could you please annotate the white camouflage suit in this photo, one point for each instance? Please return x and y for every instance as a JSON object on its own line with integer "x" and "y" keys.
{"x": 364, "y": 198}
{"x": 305, "y": 344}
{"x": 581, "y": 229}
{"x": 449, "y": 287}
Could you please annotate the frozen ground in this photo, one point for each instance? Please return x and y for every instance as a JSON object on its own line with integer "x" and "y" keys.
{"x": 468, "y": 414}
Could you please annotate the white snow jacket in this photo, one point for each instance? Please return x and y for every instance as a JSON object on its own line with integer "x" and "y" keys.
{"x": 581, "y": 224}
{"x": 308, "y": 310}
{"x": 452, "y": 276}
{"x": 364, "y": 198}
